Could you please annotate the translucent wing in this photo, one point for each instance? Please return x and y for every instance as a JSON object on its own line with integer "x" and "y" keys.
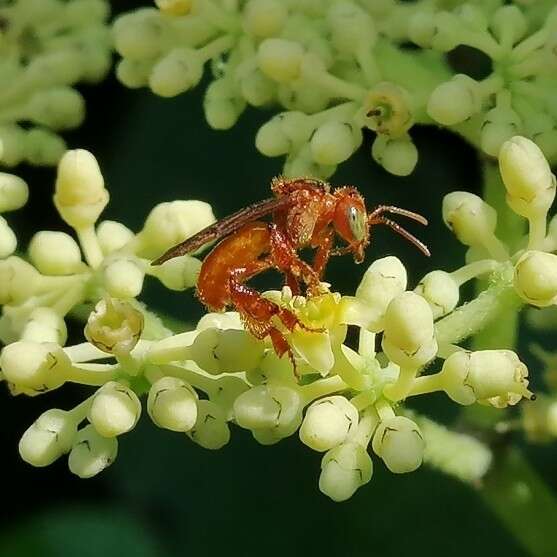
{"x": 224, "y": 227}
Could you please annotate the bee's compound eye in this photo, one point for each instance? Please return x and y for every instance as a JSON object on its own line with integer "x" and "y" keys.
{"x": 357, "y": 222}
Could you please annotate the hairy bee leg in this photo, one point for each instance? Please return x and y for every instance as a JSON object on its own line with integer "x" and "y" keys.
{"x": 281, "y": 347}
{"x": 324, "y": 245}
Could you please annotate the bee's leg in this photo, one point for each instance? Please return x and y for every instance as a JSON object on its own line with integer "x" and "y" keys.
{"x": 324, "y": 245}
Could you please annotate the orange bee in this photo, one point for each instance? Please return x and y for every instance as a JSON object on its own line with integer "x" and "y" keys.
{"x": 305, "y": 213}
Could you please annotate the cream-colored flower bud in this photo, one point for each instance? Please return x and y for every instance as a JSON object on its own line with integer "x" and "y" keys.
{"x": 170, "y": 223}
{"x": 34, "y": 366}
{"x": 8, "y": 240}
{"x": 535, "y": 278}
{"x": 210, "y": 430}
{"x": 399, "y": 442}
{"x": 333, "y": 142}
{"x": 509, "y": 22}
{"x": 264, "y": 18}
{"x": 408, "y": 338}
{"x": 114, "y": 326}
{"x": 18, "y": 280}
{"x": 58, "y": 108}
{"x": 223, "y": 351}
{"x": 351, "y": 27}
{"x": 222, "y": 104}
{"x": 174, "y": 7}
{"x": 14, "y": 192}
{"x": 527, "y": 177}
{"x": 178, "y": 273}
{"x": 454, "y": 101}
{"x": 55, "y": 253}
{"x": 91, "y": 453}
{"x": 225, "y": 320}
{"x": 123, "y": 278}
{"x": 226, "y": 390}
{"x": 499, "y": 125}
{"x": 284, "y": 133}
{"x": 80, "y": 195}
{"x": 397, "y": 155}
{"x": 267, "y": 406}
{"x": 343, "y": 470}
{"x": 45, "y": 325}
{"x": 113, "y": 236}
{"x": 48, "y": 438}
{"x": 180, "y": 70}
{"x": 280, "y": 59}
{"x": 43, "y": 147}
{"x": 495, "y": 377}
{"x": 328, "y": 422}
{"x": 384, "y": 279}
{"x": 115, "y": 410}
{"x": 172, "y": 404}
{"x": 441, "y": 292}
{"x": 12, "y": 139}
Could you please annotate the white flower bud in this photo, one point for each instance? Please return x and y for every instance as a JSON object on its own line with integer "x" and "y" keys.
{"x": 113, "y": 236}
{"x": 80, "y": 195}
{"x": 178, "y": 273}
{"x": 43, "y": 147}
{"x": 48, "y": 438}
{"x": 114, "y": 326}
{"x": 8, "y": 240}
{"x": 535, "y": 278}
{"x": 210, "y": 430}
{"x": 351, "y": 27}
{"x": 34, "y": 366}
{"x": 399, "y": 442}
{"x": 222, "y": 351}
{"x": 174, "y": 7}
{"x": 283, "y": 134}
{"x": 225, "y": 392}
{"x": 123, "y": 278}
{"x": 333, "y": 142}
{"x": 222, "y": 104}
{"x": 408, "y": 338}
{"x": 499, "y": 125}
{"x": 328, "y": 422}
{"x": 134, "y": 73}
{"x": 18, "y": 280}
{"x": 398, "y": 156}
{"x": 170, "y": 223}
{"x": 454, "y": 101}
{"x": 58, "y": 108}
{"x": 141, "y": 34}
{"x": 343, "y": 470}
{"x": 12, "y": 140}
{"x": 180, "y": 70}
{"x": 45, "y": 325}
{"x": 172, "y": 404}
{"x": 384, "y": 279}
{"x": 115, "y": 410}
{"x": 441, "y": 292}
{"x": 55, "y": 253}
{"x": 91, "y": 453}
{"x": 225, "y": 320}
{"x": 495, "y": 377}
{"x": 14, "y": 192}
{"x": 280, "y": 59}
{"x": 255, "y": 87}
{"x": 264, "y": 18}
{"x": 268, "y": 406}
{"x": 527, "y": 177}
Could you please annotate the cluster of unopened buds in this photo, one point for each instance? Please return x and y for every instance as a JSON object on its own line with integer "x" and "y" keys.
{"x": 344, "y": 401}
{"x": 46, "y": 47}
{"x": 341, "y": 67}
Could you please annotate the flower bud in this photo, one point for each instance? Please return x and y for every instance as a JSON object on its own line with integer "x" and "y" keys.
{"x": 55, "y": 253}
{"x": 264, "y": 18}
{"x": 12, "y": 141}
{"x": 48, "y": 438}
{"x": 387, "y": 109}
{"x": 328, "y": 422}
{"x": 34, "y": 366}
{"x": 14, "y": 192}
{"x": 499, "y": 125}
{"x": 551, "y": 418}
{"x": 223, "y": 351}
{"x": 509, "y": 21}
{"x": 225, "y": 392}
{"x": 45, "y": 325}
{"x": 495, "y": 377}
{"x": 140, "y": 35}
{"x": 343, "y": 470}
{"x": 408, "y": 338}
{"x": 91, "y": 453}
{"x": 180, "y": 70}
{"x": 399, "y": 442}
{"x": 113, "y": 236}
{"x": 58, "y": 108}
{"x": 134, "y": 73}
{"x": 441, "y": 292}
{"x": 225, "y": 320}
{"x": 535, "y": 278}
{"x": 172, "y": 404}
{"x": 18, "y": 280}
{"x": 351, "y": 27}
{"x": 8, "y": 240}
{"x": 123, "y": 278}
{"x": 114, "y": 326}
{"x": 174, "y": 7}
{"x": 170, "y": 223}
{"x": 284, "y": 133}
{"x": 222, "y": 104}
{"x": 454, "y": 101}
{"x": 396, "y": 155}
{"x": 421, "y": 28}
{"x": 115, "y": 410}
{"x": 83, "y": 12}
{"x": 527, "y": 177}
{"x": 210, "y": 430}
{"x": 384, "y": 280}
{"x": 178, "y": 273}
{"x": 255, "y": 87}
{"x": 43, "y": 147}
{"x": 80, "y": 195}
{"x": 280, "y": 59}
{"x": 333, "y": 142}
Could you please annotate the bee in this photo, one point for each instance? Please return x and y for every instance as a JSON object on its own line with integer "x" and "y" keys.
{"x": 304, "y": 213}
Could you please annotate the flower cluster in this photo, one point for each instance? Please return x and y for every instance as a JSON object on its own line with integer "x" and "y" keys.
{"x": 47, "y": 46}
{"x": 338, "y": 68}
{"x": 346, "y": 402}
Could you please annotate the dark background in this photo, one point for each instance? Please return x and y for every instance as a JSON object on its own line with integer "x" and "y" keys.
{"x": 165, "y": 496}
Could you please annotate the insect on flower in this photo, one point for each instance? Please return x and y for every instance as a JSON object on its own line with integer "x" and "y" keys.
{"x": 305, "y": 213}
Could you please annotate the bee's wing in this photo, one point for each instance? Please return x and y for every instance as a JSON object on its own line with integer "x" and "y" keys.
{"x": 224, "y": 227}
